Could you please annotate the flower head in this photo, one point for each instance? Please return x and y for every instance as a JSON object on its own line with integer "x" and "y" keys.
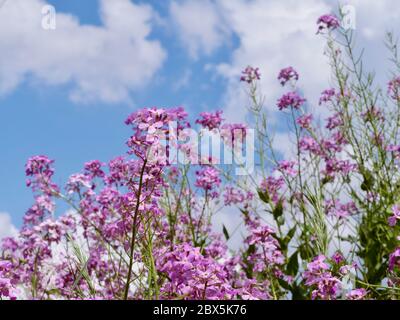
{"x": 328, "y": 22}
{"x": 395, "y": 217}
{"x": 394, "y": 88}
{"x": 394, "y": 259}
{"x": 304, "y": 121}
{"x": 287, "y": 74}
{"x": 291, "y": 99}
{"x": 337, "y": 257}
{"x": 208, "y": 178}
{"x": 288, "y": 167}
{"x": 250, "y": 74}
{"x": 93, "y": 169}
{"x": 210, "y": 120}
{"x": 357, "y": 294}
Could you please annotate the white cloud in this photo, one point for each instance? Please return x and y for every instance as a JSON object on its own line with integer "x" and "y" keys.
{"x": 231, "y": 218}
{"x": 7, "y": 229}
{"x": 274, "y": 34}
{"x": 200, "y": 26}
{"x": 373, "y": 18}
{"x": 102, "y": 63}
{"x": 183, "y": 81}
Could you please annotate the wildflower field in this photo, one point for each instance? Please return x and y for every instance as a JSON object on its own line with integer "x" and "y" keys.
{"x": 324, "y": 224}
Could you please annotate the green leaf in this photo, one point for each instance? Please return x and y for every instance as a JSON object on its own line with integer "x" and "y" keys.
{"x": 368, "y": 182}
{"x": 284, "y": 284}
{"x": 293, "y": 265}
{"x": 298, "y": 293}
{"x": 278, "y": 210}
{"x": 290, "y": 234}
{"x": 264, "y": 196}
{"x": 225, "y": 231}
{"x": 327, "y": 180}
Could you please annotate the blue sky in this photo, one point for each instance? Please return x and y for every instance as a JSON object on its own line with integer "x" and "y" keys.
{"x": 62, "y": 96}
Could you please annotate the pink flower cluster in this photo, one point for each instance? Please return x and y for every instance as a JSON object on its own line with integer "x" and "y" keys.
{"x": 327, "y": 95}
{"x": 250, "y": 74}
{"x": 290, "y": 99}
{"x": 327, "y": 285}
{"x": 193, "y": 276}
{"x": 305, "y": 121}
{"x": 394, "y": 260}
{"x": 395, "y": 217}
{"x": 287, "y": 74}
{"x": 7, "y": 285}
{"x": 233, "y": 196}
{"x": 340, "y": 210}
{"x": 327, "y": 22}
{"x": 272, "y": 186}
{"x": 210, "y": 120}
{"x": 208, "y": 179}
{"x": 394, "y": 88}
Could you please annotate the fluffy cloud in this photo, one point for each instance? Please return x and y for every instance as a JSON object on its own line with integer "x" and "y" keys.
{"x": 274, "y": 34}
{"x": 101, "y": 63}
{"x": 200, "y": 26}
{"x": 373, "y": 18}
{"x": 7, "y": 229}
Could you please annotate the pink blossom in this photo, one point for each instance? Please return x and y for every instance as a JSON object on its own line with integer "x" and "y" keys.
{"x": 236, "y": 196}
{"x": 338, "y": 257}
{"x": 272, "y": 186}
{"x": 327, "y": 95}
{"x": 357, "y": 294}
{"x": 340, "y": 210}
{"x": 335, "y": 166}
{"x": 327, "y": 21}
{"x": 325, "y": 285}
{"x": 394, "y": 259}
{"x": 395, "y": 149}
{"x": 210, "y": 120}
{"x": 305, "y": 121}
{"x": 77, "y": 181}
{"x": 93, "y": 169}
{"x": 233, "y": 134}
{"x": 395, "y": 217}
{"x": 309, "y": 144}
{"x": 193, "y": 276}
{"x": 288, "y": 167}
{"x": 291, "y": 99}
{"x": 208, "y": 178}
{"x": 393, "y": 88}
{"x": 250, "y": 74}
{"x": 334, "y": 121}
{"x": 287, "y": 74}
